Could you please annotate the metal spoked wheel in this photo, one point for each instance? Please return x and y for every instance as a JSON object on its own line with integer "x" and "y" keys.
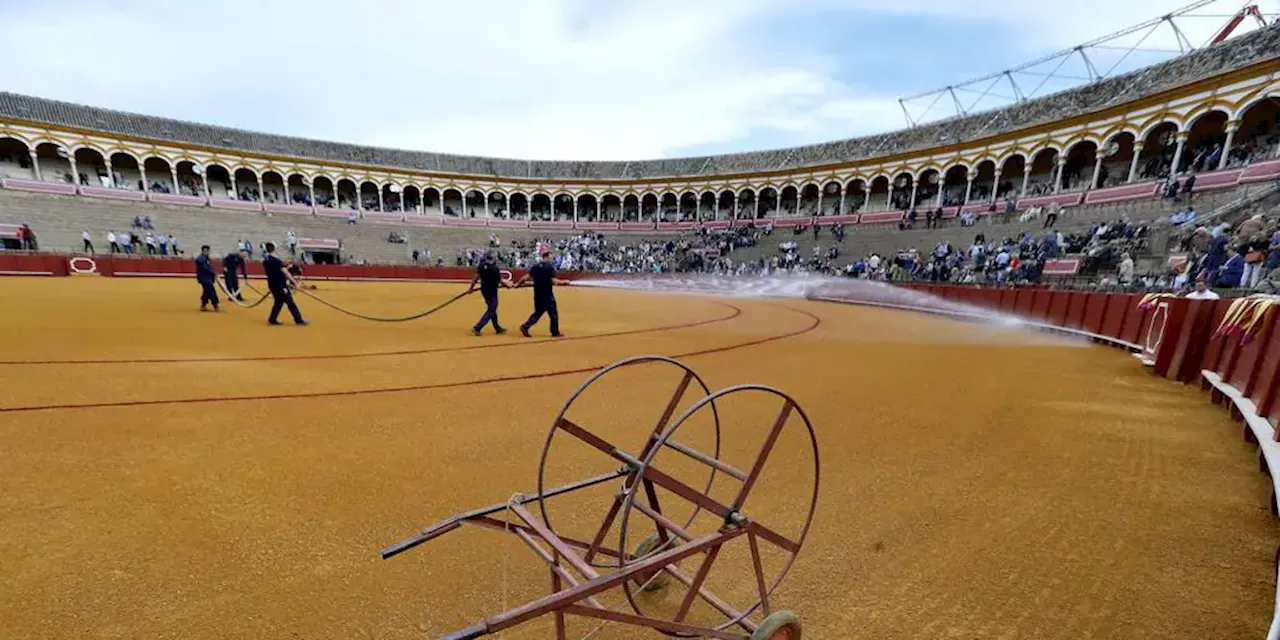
{"x": 733, "y": 514}
{"x": 562, "y": 423}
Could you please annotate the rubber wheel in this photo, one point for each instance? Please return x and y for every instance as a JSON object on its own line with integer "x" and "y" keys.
{"x": 641, "y": 580}
{"x": 780, "y": 625}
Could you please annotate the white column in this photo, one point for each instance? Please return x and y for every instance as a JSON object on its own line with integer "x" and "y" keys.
{"x": 111, "y": 172}
{"x": 235, "y": 191}
{"x": 995, "y": 185}
{"x": 941, "y": 184}
{"x": 173, "y": 174}
{"x": 311, "y": 193}
{"x": 1057, "y": 173}
{"x": 422, "y": 201}
{"x": 968, "y": 190}
{"x": 486, "y": 205}
{"x": 383, "y": 207}
{"x": 1026, "y": 180}
{"x": 820, "y": 194}
{"x": 755, "y": 207}
{"x": 1133, "y": 165}
{"x": 262, "y": 189}
{"x": 914, "y": 186}
{"x": 35, "y": 165}
{"x": 75, "y": 173}
{"x": 840, "y": 209}
{"x": 598, "y": 209}
{"x": 1097, "y": 170}
{"x": 1177, "y": 153}
{"x": 142, "y": 175}
{"x": 1232, "y": 127}
{"x": 204, "y": 182}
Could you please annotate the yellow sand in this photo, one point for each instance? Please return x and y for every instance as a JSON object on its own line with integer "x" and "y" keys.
{"x": 976, "y": 483}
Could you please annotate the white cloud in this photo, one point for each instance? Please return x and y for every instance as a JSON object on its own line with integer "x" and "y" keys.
{"x": 556, "y": 79}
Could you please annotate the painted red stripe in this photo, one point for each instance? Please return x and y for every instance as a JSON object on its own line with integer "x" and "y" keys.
{"x": 378, "y": 354}
{"x": 425, "y": 387}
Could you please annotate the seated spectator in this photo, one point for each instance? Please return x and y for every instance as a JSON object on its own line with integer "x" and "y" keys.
{"x": 1232, "y": 271}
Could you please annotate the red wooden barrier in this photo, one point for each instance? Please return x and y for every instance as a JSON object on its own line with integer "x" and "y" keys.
{"x": 1213, "y": 351}
{"x": 1008, "y": 300}
{"x": 1249, "y": 355}
{"x": 1025, "y": 301}
{"x": 1076, "y": 303}
{"x": 1113, "y": 320}
{"x": 1268, "y": 380}
{"x": 1040, "y": 305}
{"x": 1135, "y": 321}
{"x": 1095, "y": 312}
{"x": 1058, "y": 303}
{"x": 991, "y": 299}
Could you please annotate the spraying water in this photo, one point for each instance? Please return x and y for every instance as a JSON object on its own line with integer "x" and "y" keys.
{"x": 806, "y": 286}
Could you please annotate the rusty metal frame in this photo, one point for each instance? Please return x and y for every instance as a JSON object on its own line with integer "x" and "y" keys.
{"x": 576, "y": 579}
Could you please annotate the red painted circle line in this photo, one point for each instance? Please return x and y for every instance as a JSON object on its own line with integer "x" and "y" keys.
{"x": 734, "y": 313}
{"x": 815, "y": 322}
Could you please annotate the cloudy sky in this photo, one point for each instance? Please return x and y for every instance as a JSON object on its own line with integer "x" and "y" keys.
{"x": 553, "y": 79}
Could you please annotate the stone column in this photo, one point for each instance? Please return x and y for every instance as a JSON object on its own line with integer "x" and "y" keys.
{"x": 1177, "y": 153}
{"x": 35, "y": 165}
{"x": 1133, "y": 165}
{"x": 1232, "y": 128}
{"x": 968, "y": 190}
{"x": 1097, "y": 170}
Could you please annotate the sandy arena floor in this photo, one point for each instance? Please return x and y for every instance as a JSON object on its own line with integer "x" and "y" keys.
{"x": 171, "y": 474}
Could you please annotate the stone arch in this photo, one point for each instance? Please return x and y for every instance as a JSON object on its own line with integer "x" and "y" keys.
{"x": 15, "y": 158}
{"x": 273, "y": 186}
{"x": 297, "y": 188}
{"x": 1077, "y": 170}
{"x": 831, "y": 196}
{"x": 1011, "y": 175}
{"x": 1156, "y": 122}
{"x": 611, "y": 207}
{"x": 586, "y": 207}
{"x": 747, "y": 204}
{"x": 984, "y": 180}
{"x": 474, "y": 201}
{"x": 518, "y": 205}
{"x": 218, "y": 177}
{"x": 325, "y": 190}
{"x": 53, "y": 161}
{"x": 688, "y": 207}
{"x": 726, "y": 204}
{"x": 1206, "y": 135}
{"x": 370, "y": 195}
{"x": 347, "y": 192}
{"x": 91, "y": 165}
{"x": 451, "y": 202}
{"x": 1253, "y": 99}
{"x": 768, "y": 200}
{"x": 631, "y": 207}
{"x": 649, "y": 206}
{"x": 810, "y": 194}
{"x": 954, "y": 183}
{"x": 1217, "y": 107}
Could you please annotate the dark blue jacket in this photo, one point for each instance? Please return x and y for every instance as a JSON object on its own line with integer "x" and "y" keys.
{"x": 204, "y": 269}
{"x": 1231, "y": 272}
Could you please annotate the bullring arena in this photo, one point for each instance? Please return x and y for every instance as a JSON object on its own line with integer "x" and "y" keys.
{"x": 211, "y": 479}
{"x": 1045, "y": 457}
